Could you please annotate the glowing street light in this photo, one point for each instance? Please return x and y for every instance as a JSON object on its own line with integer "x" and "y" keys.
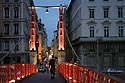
{"x": 47, "y": 11}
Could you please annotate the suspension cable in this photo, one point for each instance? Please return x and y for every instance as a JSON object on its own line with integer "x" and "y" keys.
{"x": 71, "y": 45}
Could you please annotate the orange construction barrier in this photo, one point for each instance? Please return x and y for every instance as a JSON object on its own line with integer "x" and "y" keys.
{"x": 81, "y": 74}
{"x": 10, "y": 73}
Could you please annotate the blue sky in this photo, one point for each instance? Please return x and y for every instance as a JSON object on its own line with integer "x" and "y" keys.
{"x": 50, "y": 20}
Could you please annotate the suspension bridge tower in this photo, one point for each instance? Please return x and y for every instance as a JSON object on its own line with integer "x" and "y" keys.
{"x": 61, "y": 56}
{"x": 32, "y": 43}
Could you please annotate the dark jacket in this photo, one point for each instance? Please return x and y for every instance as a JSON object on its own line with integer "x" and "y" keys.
{"x": 52, "y": 65}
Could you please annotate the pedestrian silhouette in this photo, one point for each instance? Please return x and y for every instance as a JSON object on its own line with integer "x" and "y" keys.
{"x": 52, "y": 67}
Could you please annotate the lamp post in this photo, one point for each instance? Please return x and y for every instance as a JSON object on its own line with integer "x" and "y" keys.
{"x": 98, "y": 55}
{"x": 97, "y": 51}
{"x": 15, "y": 51}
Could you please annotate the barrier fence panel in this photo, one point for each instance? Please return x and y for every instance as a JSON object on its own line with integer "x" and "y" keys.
{"x": 10, "y": 73}
{"x": 81, "y": 74}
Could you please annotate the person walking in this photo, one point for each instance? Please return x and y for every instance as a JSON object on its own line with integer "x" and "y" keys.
{"x": 52, "y": 67}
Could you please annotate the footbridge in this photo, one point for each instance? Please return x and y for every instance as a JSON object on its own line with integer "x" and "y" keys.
{"x": 66, "y": 73}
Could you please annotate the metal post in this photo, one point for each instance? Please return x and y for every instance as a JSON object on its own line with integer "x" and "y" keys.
{"x": 97, "y": 51}
{"x": 97, "y": 55}
{"x": 15, "y": 52}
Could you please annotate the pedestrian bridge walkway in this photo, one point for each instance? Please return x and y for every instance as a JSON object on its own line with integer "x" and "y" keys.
{"x": 67, "y": 73}
{"x": 43, "y": 78}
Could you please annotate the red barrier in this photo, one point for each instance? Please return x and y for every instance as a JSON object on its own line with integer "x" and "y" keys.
{"x": 12, "y": 72}
{"x": 79, "y": 74}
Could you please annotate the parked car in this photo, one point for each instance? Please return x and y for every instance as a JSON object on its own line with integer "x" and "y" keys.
{"x": 42, "y": 68}
{"x": 113, "y": 70}
{"x": 103, "y": 71}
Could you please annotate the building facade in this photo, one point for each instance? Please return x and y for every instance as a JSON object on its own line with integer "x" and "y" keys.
{"x": 14, "y": 30}
{"x": 42, "y": 42}
{"x": 96, "y": 30}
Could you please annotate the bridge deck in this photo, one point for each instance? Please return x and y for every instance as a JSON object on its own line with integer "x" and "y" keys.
{"x": 43, "y": 78}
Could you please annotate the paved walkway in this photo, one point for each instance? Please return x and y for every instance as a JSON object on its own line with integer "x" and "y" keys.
{"x": 43, "y": 78}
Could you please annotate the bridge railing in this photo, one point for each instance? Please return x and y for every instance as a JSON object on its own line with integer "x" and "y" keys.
{"x": 81, "y": 74}
{"x": 10, "y": 73}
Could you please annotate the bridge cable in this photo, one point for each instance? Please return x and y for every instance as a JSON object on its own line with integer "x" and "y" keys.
{"x": 71, "y": 45}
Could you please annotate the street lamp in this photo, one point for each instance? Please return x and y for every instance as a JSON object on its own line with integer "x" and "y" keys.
{"x": 47, "y": 11}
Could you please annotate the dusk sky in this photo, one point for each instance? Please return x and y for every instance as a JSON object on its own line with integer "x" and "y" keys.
{"x": 50, "y": 20}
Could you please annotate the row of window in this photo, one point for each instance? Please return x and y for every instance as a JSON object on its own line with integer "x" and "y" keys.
{"x": 11, "y": 0}
{"x": 107, "y": 48}
{"x": 16, "y": 12}
{"x": 7, "y": 45}
{"x": 6, "y": 29}
{"x": 91, "y": 48}
{"x": 106, "y": 61}
{"x": 106, "y": 31}
{"x": 105, "y": 0}
{"x": 106, "y": 12}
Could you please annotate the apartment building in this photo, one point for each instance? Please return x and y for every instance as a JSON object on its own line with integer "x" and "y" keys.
{"x": 96, "y": 30}
{"x": 14, "y": 30}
